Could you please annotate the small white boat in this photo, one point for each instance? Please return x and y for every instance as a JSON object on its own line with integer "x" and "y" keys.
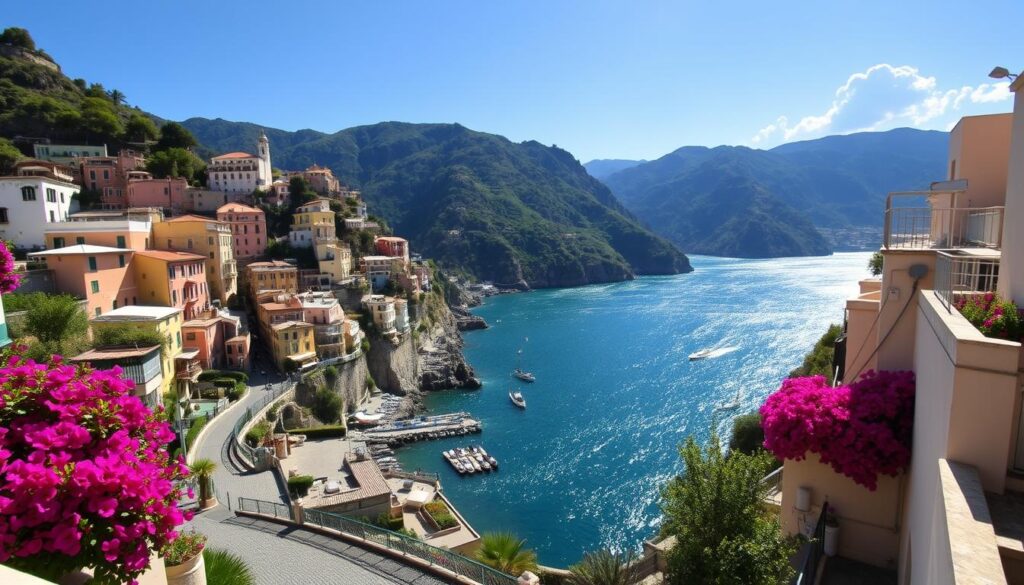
{"x": 517, "y": 399}
{"x": 699, "y": 355}
{"x": 524, "y": 375}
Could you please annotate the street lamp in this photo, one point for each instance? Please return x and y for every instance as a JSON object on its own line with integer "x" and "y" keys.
{"x": 1001, "y": 73}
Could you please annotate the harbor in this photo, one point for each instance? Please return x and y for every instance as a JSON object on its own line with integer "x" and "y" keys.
{"x": 470, "y": 460}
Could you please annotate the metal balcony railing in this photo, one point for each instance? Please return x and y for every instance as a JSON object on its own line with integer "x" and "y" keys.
{"x": 189, "y": 371}
{"x": 920, "y": 226}
{"x": 958, "y": 274}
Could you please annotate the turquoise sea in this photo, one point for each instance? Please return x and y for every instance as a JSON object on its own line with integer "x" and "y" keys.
{"x": 581, "y": 467}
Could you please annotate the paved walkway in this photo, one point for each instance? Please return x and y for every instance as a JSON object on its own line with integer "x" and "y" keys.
{"x": 278, "y": 554}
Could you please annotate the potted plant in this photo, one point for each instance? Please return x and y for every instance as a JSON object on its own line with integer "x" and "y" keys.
{"x": 183, "y": 558}
{"x": 831, "y": 544}
{"x": 203, "y": 469}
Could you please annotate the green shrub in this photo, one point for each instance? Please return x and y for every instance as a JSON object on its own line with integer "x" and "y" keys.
{"x": 819, "y": 361}
{"x": 298, "y": 486}
{"x": 259, "y": 431}
{"x": 875, "y": 263}
{"x": 208, "y": 375}
{"x": 331, "y": 373}
{"x": 370, "y": 383}
{"x": 237, "y": 391}
{"x": 365, "y": 345}
{"x": 272, "y": 412}
{"x": 387, "y": 522}
{"x": 323, "y": 432}
{"x": 224, "y": 568}
{"x": 747, "y": 434}
{"x": 193, "y": 431}
{"x": 223, "y": 382}
{"x": 327, "y": 405}
{"x": 441, "y": 514}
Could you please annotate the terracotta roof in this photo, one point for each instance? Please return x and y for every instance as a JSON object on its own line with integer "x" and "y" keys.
{"x": 114, "y": 353}
{"x": 237, "y": 207}
{"x": 289, "y": 324}
{"x": 235, "y": 155}
{"x": 169, "y": 256}
{"x": 192, "y": 217}
{"x": 369, "y": 478}
{"x": 271, "y": 264}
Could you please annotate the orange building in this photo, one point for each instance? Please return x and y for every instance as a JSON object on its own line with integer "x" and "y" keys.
{"x": 273, "y": 275}
{"x": 99, "y": 274}
{"x": 392, "y": 246}
{"x": 172, "y": 279}
{"x": 219, "y": 339}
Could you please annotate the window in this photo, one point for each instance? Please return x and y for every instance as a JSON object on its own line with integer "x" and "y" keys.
{"x": 170, "y": 244}
{"x": 62, "y": 197}
{"x": 120, "y": 241}
{"x": 58, "y": 242}
{"x": 80, "y": 240}
{"x": 190, "y": 336}
{"x": 174, "y": 297}
{"x": 51, "y": 195}
{"x": 211, "y": 255}
{"x": 120, "y": 260}
{"x": 210, "y": 240}
{"x": 92, "y": 264}
{"x": 51, "y": 217}
{"x": 97, "y": 311}
{"x": 190, "y": 243}
{"x": 228, "y": 349}
{"x": 92, "y": 176}
{"x": 3, "y": 215}
{"x": 170, "y": 272}
{"x": 115, "y": 304}
{"x": 106, "y": 175}
{"x": 257, "y": 241}
{"x": 95, "y": 285}
{"x": 179, "y": 338}
{"x": 257, "y": 228}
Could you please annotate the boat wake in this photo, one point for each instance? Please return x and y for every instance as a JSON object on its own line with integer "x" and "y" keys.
{"x": 722, "y": 351}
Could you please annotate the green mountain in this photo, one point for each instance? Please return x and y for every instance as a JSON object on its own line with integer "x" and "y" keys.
{"x": 602, "y": 168}
{"x": 510, "y": 213}
{"x": 737, "y": 201}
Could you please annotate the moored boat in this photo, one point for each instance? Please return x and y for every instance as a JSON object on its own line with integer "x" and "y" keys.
{"x": 517, "y": 399}
{"x": 699, "y": 355}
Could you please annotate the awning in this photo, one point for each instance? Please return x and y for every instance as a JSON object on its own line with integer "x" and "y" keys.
{"x": 187, "y": 354}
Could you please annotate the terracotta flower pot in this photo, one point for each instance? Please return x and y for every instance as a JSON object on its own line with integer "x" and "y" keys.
{"x": 191, "y": 572}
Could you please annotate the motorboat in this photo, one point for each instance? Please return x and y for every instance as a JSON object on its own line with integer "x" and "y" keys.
{"x": 524, "y": 375}
{"x": 517, "y": 399}
{"x": 699, "y": 355}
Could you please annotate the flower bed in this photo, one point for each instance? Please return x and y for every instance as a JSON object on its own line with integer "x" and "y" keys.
{"x": 862, "y": 429}
{"x": 440, "y": 514}
{"x": 86, "y": 478}
{"x": 993, "y": 316}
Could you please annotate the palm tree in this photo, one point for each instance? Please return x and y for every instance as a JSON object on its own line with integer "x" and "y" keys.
{"x": 116, "y": 96}
{"x": 202, "y": 469}
{"x": 504, "y": 551}
{"x": 224, "y": 568}
{"x": 603, "y": 568}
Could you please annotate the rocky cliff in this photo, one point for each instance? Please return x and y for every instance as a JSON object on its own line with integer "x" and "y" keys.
{"x": 395, "y": 368}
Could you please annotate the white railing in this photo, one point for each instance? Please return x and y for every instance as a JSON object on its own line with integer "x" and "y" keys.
{"x": 921, "y": 226}
{"x": 960, "y": 274}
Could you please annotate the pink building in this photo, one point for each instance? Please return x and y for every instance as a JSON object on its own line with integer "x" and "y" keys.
{"x": 172, "y": 279}
{"x": 99, "y": 274}
{"x": 108, "y": 175}
{"x": 248, "y": 229}
{"x": 278, "y": 194}
{"x": 162, "y": 193}
{"x": 219, "y": 339}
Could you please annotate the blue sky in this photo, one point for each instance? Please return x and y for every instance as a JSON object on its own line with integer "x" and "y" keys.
{"x": 601, "y": 79}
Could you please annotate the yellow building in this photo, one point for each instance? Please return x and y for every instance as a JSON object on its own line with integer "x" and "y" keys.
{"x": 335, "y": 260}
{"x": 312, "y": 223}
{"x": 172, "y": 279}
{"x": 273, "y": 275}
{"x": 208, "y": 238}
{"x": 164, "y": 320}
{"x": 293, "y": 340}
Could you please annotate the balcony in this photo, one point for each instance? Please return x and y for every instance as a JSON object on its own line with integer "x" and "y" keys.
{"x": 187, "y": 369}
{"x": 912, "y": 223}
{"x": 229, "y": 269}
{"x": 963, "y": 272}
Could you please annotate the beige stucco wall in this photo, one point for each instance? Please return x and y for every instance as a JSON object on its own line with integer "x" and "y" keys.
{"x": 980, "y": 147}
{"x": 861, "y": 334}
{"x": 965, "y": 411}
{"x": 897, "y": 352}
{"x": 1011, "y": 268}
{"x": 868, "y": 520}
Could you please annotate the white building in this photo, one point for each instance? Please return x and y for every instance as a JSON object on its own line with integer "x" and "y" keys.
{"x": 241, "y": 172}
{"x": 401, "y": 315}
{"x": 40, "y": 193}
{"x": 382, "y": 309}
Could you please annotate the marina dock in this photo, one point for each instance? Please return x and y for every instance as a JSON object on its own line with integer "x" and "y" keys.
{"x": 423, "y": 428}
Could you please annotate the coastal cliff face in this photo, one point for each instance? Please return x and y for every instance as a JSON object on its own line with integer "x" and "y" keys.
{"x": 394, "y": 368}
{"x": 442, "y": 364}
{"x": 350, "y": 384}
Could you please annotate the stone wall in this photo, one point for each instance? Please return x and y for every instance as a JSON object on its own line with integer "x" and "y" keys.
{"x": 350, "y": 384}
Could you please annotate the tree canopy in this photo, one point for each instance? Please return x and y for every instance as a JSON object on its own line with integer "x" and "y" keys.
{"x": 174, "y": 135}
{"x": 17, "y": 37}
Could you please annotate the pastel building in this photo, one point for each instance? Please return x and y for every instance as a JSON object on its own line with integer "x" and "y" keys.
{"x": 99, "y": 274}
{"x": 321, "y": 180}
{"x": 108, "y": 175}
{"x": 209, "y": 238}
{"x": 402, "y": 315}
{"x": 141, "y": 365}
{"x": 172, "y": 279}
{"x": 382, "y": 309}
{"x": 954, "y": 515}
{"x": 279, "y": 193}
{"x": 219, "y": 338}
{"x": 241, "y": 172}
{"x": 66, "y": 154}
{"x": 38, "y": 194}
{"x": 167, "y": 194}
{"x": 353, "y": 335}
{"x": 326, "y": 314}
{"x": 164, "y": 320}
{"x": 272, "y": 275}
{"x": 312, "y": 223}
{"x": 114, "y": 229}
{"x": 248, "y": 227}
{"x": 335, "y": 261}
{"x": 379, "y": 269}
{"x": 287, "y": 335}
{"x": 392, "y": 246}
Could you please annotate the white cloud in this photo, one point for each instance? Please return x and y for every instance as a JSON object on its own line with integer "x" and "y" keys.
{"x": 884, "y": 97}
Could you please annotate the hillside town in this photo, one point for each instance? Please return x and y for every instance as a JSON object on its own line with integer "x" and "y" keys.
{"x": 191, "y": 262}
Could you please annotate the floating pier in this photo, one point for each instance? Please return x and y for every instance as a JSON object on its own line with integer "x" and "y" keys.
{"x": 424, "y": 428}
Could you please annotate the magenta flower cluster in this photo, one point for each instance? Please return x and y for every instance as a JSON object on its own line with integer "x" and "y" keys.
{"x": 862, "y": 429}
{"x": 85, "y": 477}
{"x": 992, "y": 315}
{"x": 9, "y": 279}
